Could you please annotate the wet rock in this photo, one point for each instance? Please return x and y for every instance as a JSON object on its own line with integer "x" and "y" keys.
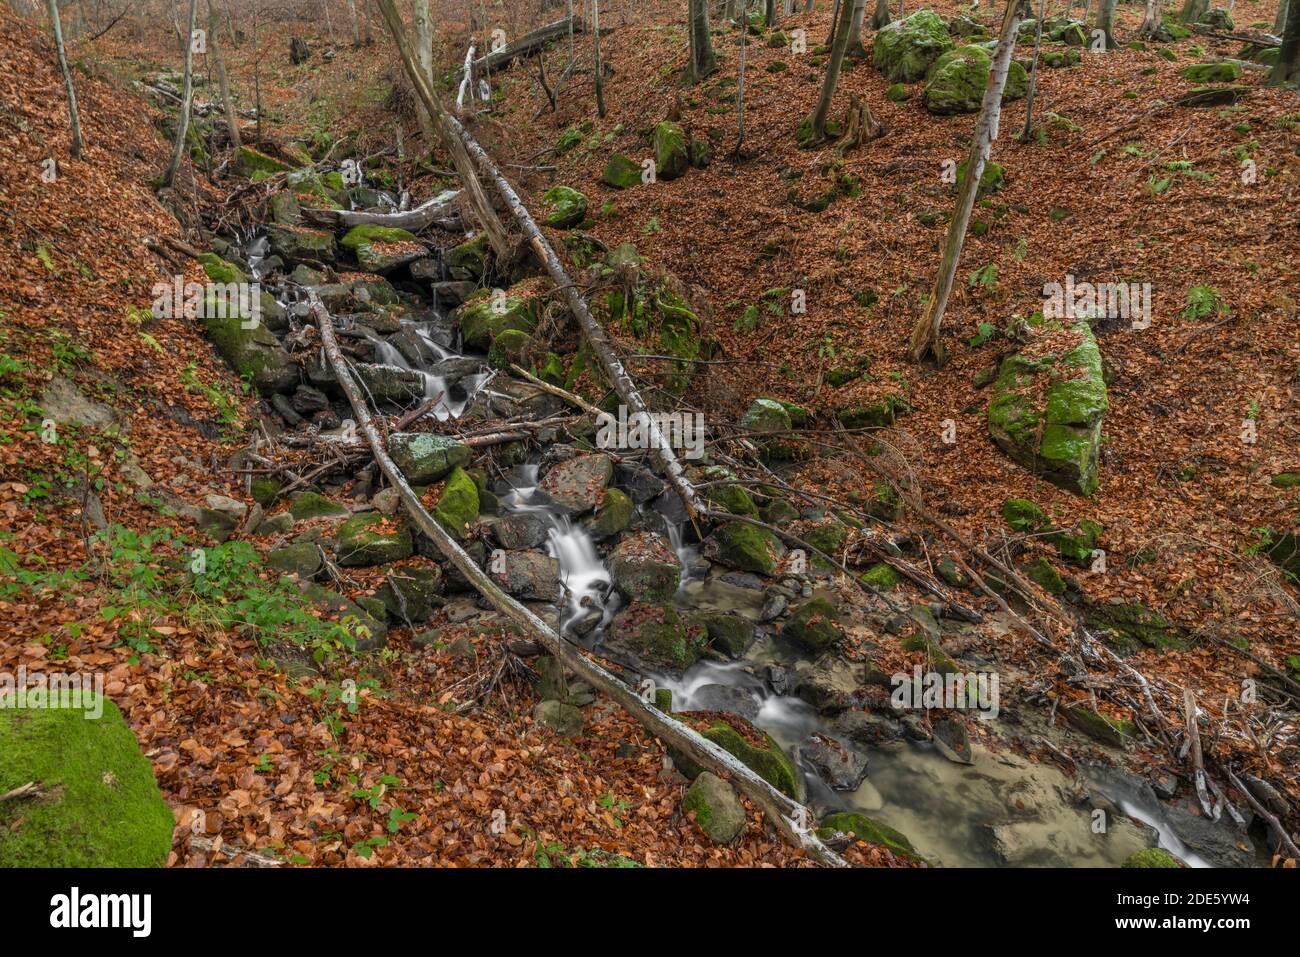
{"x": 579, "y": 483}
{"x": 452, "y": 292}
{"x": 867, "y": 728}
{"x": 953, "y": 741}
{"x": 382, "y": 249}
{"x": 307, "y": 400}
{"x": 744, "y": 547}
{"x": 774, "y": 607}
{"x": 528, "y": 574}
{"x": 752, "y": 746}
{"x": 842, "y": 768}
{"x": 563, "y": 720}
{"x": 830, "y": 684}
{"x": 521, "y": 530}
{"x": 458, "y": 504}
{"x": 412, "y": 593}
{"x": 639, "y": 482}
{"x": 1152, "y": 857}
{"x": 425, "y": 457}
{"x": 297, "y": 244}
{"x": 613, "y": 516}
{"x": 644, "y": 568}
{"x": 371, "y": 539}
{"x": 717, "y": 697}
{"x": 814, "y": 625}
{"x": 728, "y": 633}
{"x": 865, "y": 829}
{"x": 656, "y": 635}
{"x": 389, "y": 385}
{"x": 511, "y": 399}
{"x": 716, "y": 808}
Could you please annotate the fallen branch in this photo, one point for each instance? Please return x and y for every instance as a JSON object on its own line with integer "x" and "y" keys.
{"x": 781, "y": 810}
{"x": 529, "y": 44}
{"x": 29, "y": 790}
{"x": 439, "y": 211}
{"x": 1283, "y": 837}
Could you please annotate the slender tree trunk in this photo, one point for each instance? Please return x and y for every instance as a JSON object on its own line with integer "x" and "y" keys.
{"x": 329, "y": 25}
{"x": 816, "y": 122}
{"x": 1151, "y": 19}
{"x": 1280, "y": 23}
{"x": 835, "y": 19}
{"x": 1027, "y": 134}
{"x": 445, "y": 127}
{"x": 569, "y": 65}
{"x": 223, "y": 81}
{"x": 1106, "y": 22}
{"x": 740, "y": 91}
{"x": 423, "y": 28}
{"x": 356, "y": 23}
{"x": 1287, "y": 67}
{"x": 74, "y": 119}
{"x": 770, "y": 15}
{"x": 600, "y": 65}
{"x": 855, "y": 29}
{"x": 925, "y": 335}
{"x": 257, "y": 74}
{"x": 187, "y": 96}
{"x": 880, "y": 18}
{"x": 702, "y": 59}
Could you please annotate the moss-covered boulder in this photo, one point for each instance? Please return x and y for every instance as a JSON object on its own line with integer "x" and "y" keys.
{"x": 621, "y": 172}
{"x": 753, "y": 747}
{"x": 1216, "y": 19}
{"x": 1115, "y": 732}
{"x": 467, "y": 262}
{"x": 814, "y": 624}
{"x": 308, "y": 505}
{"x": 382, "y": 249}
{"x": 729, "y": 633}
{"x": 510, "y": 347}
{"x": 1130, "y": 626}
{"x": 881, "y": 576}
{"x": 1152, "y": 857}
{"x": 372, "y": 539}
{"x": 99, "y": 805}
{"x": 390, "y": 385}
{"x": 411, "y": 593}
{"x": 1024, "y": 516}
{"x": 1060, "y": 59}
{"x": 1044, "y": 574}
{"x": 613, "y": 515}
{"x": 743, "y": 546}
{"x": 716, "y": 808}
{"x": 485, "y": 315}
{"x": 1048, "y": 404}
{"x": 956, "y": 81}
{"x": 458, "y": 503}
{"x": 256, "y": 165}
{"x": 1225, "y": 71}
{"x": 299, "y": 558}
{"x": 254, "y": 353}
{"x": 424, "y": 457}
{"x": 657, "y": 635}
{"x": 220, "y": 270}
{"x": 672, "y": 157}
{"x": 904, "y": 50}
{"x": 866, "y": 829}
{"x": 298, "y": 244}
{"x": 765, "y": 415}
{"x": 578, "y": 483}
{"x": 644, "y": 568}
{"x": 734, "y": 498}
{"x": 992, "y": 177}
{"x": 563, "y": 207}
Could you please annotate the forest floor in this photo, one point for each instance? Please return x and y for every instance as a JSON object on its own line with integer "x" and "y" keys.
{"x": 1118, "y": 189}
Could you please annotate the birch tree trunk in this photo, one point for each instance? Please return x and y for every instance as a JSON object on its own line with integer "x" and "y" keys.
{"x": 740, "y": 91}
{"x": 445, "y": 127}
{"x": 223, "y": 80}
{"x": 1151, "y": 19}
{"x": 74, "y": 119}
{"x": 925, "y": 335}
{"x": 702, "y": 60}
{"x": 424, "y": 60}
{"x": 813, "y": 130}
{"x": 187, "y": 96}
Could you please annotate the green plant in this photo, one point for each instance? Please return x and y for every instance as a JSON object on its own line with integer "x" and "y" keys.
{"x": 1202, "y": 302}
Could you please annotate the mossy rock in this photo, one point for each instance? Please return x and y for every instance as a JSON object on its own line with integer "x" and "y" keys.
{"x": 1152, "y": 857}
{"x": 257, "y": 165}
{"x": 1077, "y": 546}
{"x": 484, "y": 316}
{"x": 743, "y": 546}
{"x": 458, "y": 503}
{"x": 621, "y": 172}
{"x": 612, "y": 516}
{"x": 718, "y": 811}
{"x": 644, "y": 568}
{"x": 265, "y": 488}
{"x": 411, "y": 593}
{"x": 814, "y": 624}
{"x": 1023, "y": 516}
{"x": 829, "y": 538}
{"x": 308, "y": 505}
{"x": 729, "y": 633}
{"x": 752, "y": 746}
{"x": 778, "y": 512}
{"x": 880, "y": 414}
{"x": 1044, "y": 573}
{"x": 300, "y": 558}
{"x": 510, "y": 347}
{"x": 899, "y": 92}
{"x": 881, "y": 577}
{"x": 297, "y": 244}
{"x": 382, "y": 248}
{"x": 992, "y": 177}
{"x": 1222, "y": 72}
{"x": 734, "y": 498}
{"x": 219, "y": 270}
{"x": 563, "y": 207}
{"x": 657, "y": 635}
{"x": 904, "y": 50}
{"x": 1047, "y": 411}
{"x": 866, "y": 829}
{"x": 100, "y": 805}
{"x": 956, "y": 81}
{"x": 467, "y": 262}
{"x": 361, "y": 543}
{"x": 1115, "y": 732}
{"x": 1133, "y": 625}
{"x": 1060, "y": 59}
{"x": 254, "y": 353}
{"x": 672, "y": 157}
{"x": 424, "y": 457}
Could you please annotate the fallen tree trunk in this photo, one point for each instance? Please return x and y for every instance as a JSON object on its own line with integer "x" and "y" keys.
{"x": 591, "y": 329}
{"x": 781, "y": 810}
{"x": 439, "y": 211}
{"x": 529, "y": 44}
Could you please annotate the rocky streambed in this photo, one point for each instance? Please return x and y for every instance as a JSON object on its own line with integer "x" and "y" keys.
{"x": 769, "y": 652}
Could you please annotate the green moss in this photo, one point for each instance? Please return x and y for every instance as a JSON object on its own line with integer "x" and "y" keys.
{"x": 621, "y": 172}
{"x": 956, "y": 81}
{"x": 992, "y": 177}
{"x": 265, "y": 488}
{"x": 744, "y": 546}
{"x": 1111, "y": 731}
{"x": 458, "y": 505}
{"x": 1042, "y": 572}
{"x": 511, "y": 346}
{"x": 1024, "y": 516}
{"x": 613, "y": 516}
{"x": 815, "y": 624}
{"x": 866, "y": 829}
{"x": 734, "y": 498}
{"x": 672, "y": 158}
{"x": 250, "y": 162}
{"x": 313, "y": 505}
{"x": 467, "y": 262}
{"x": 219, "y": 270}
{"x": 768, "y": 761}
{"x": 359, "y": 236}
{"x": 881, "y": 576}
{"x": 483, "y": 317}
{"x": 359, "y": 544}
{"x": 1286, "y": 480}
{"x": 904, "y": 49}
{"x": 898, "y": 92}
{"x": 1152, "y": 857}
{"x": 1134, "y": 625}
{"x": 564, "y": 207}
{"x": 659, "y": 634}
{"x": 101, "y": 806}
{"x": 1223, "y": 72}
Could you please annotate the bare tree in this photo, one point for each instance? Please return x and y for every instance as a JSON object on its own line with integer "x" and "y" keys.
{"x": 1287, "y": 67}
{"x": 925, "y": 334}
{"x": 702, "y": 60}
{"x": 1280, "y": 23}
{"x": 1151, "y": 19}
{"x": 855, "y": 29}
{"x": 600, "y": 66}
{"x": 1027, "y": 133}
{"x": 74, "y": 120}
{"x": 880, "y": 18}
{"x": 740, "y": 91}
{"x": 187, "y": 96}
{"x": 813, "y": 129}
{"x": 223, "y": 81}
{"x": 1106, "y": 23}
{"x": 424, "y": 59}
{"x": 1193, "y": 10}
{"x": 356, "y": 23}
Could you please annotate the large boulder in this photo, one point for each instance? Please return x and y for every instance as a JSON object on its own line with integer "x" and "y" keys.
{"x": 743, "y": 546}
{"x": 382, "y": 248}
{"x": 297, "y": 244}
{"x": 621, "y": 172}
{"x": 389, "y": 385}
{"x": 424, "y": 457}
{"x": 528, "y": 573}
{"x": 1048, "y": 404}
{"x": 657, "y": 635}
{"x": 752, "y": 746}
{"x": 815, "y": 625}
{"x": 644, "y": 568}
{"x": 99, "y": 805}
{"x": 486, "y": 315}
{"x": 254, "y": 353}
{"x": 904, "y": 50}
{"x": 956, "y": 81}
{"x": 866, "y": 829}
{"x": 717, "y": 810}
{"x": 564, "y": 207}
{"x": 412, "y": 593}
{"x": 372, "y": 539}
{"x": 578, "y": 484}
{"x": 672, "y": 158}
{"x": 458, "y": 503}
